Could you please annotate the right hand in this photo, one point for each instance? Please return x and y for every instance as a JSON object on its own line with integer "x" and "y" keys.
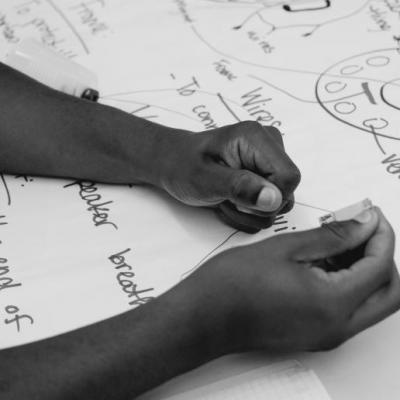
{"x": 309, "y": 290}
{"x": 242, "y": 170}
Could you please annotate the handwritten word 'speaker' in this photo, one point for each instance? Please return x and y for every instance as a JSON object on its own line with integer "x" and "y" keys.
{"x": 88, "y": 193}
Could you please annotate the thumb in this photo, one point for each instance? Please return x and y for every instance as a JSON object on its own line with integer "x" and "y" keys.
{"x": 248, "y": 190}
{"x": 335, "y": 238}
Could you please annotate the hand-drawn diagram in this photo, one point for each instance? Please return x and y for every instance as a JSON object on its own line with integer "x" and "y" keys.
{"x": 303, "y": 17}
{"x": 67, "y": 28}
{"x": 364, "y": 91}
{"x": 259, "y": 27}
{"x": 226, "y": 61}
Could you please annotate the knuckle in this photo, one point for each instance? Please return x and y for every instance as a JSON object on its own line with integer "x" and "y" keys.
{"x": 275, "y": 132}
{"x": 288, "y": 206}
{"x": 290, "y": 178}
{"x": 250, "y": 127}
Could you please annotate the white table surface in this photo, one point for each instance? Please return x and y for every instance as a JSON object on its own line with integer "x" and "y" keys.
{"x": 364, "y": 368}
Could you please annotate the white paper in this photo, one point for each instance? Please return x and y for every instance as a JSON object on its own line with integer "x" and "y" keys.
{"x": 288, "y": 380}
{"x": 326, "y": 75}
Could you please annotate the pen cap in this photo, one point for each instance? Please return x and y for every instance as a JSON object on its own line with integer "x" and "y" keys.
{"x": 50, "y": 68}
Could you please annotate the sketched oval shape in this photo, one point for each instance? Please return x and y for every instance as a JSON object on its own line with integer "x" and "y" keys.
{"x": 363, "y": 91}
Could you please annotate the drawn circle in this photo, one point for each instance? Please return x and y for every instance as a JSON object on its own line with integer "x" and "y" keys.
{"x": 363, "y": 91}
{"x": 390, "y": 94}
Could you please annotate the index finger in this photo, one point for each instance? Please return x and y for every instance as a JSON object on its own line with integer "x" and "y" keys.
{"x": 274, "y": 163}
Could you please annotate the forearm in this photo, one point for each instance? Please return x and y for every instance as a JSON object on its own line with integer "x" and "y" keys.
{"x": 118, "y": 358}
{"x": 45, "y": 132}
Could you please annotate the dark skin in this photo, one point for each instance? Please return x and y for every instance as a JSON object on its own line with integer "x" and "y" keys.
{"x": 49, "y": 133}
{"x": 308, "y": 290}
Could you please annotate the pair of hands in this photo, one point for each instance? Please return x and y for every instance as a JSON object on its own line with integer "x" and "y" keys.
{"x": 301, "y": 291}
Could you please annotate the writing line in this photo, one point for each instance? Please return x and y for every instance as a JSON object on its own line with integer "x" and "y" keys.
{"x": 66, "y": 20}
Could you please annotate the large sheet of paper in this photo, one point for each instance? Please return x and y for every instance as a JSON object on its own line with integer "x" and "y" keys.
{"x": 326, "y": 73}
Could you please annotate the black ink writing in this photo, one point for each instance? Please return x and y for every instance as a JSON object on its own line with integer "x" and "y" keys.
{"x": 15, "y": 318}
{"x": 88, "y": 17}
{"x": 222, "y": 67}
{"x": 281, "y": 224}
{"x": 254, "y": 103}
{"x": 124, "y": 278}
{"x": 183, "y": 9}
{"x": 392, "y": 164}
{"x": 263, "y": 44}
{"x": 6, "y": 282}
{"x": 205, "y": 116}
{"x": 190, "y": 88}
{"x": 7, "y": 30}
{"x": 379, "y": 16}
{"x": 88, "y": 192}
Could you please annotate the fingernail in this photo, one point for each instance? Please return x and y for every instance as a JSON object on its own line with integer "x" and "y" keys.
{"x": 268, "y": 199}
{"x": 245, "y": 210}
{"x": 364, "y": 216}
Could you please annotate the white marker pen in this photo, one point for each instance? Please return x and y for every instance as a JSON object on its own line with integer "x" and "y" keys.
{"x": 53, "y": 69}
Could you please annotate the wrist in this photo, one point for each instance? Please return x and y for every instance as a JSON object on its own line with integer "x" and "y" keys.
{"x": 154, "y": 152}
{"x": 169, "y": 157}
{"x": 214, "y": 308}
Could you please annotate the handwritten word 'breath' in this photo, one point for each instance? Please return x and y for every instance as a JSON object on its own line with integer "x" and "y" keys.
{"x": 88, "y": 193}
{"x": 124, "y": 278}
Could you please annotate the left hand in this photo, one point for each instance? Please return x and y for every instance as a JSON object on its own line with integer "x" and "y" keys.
{"x": 242, "y": 169}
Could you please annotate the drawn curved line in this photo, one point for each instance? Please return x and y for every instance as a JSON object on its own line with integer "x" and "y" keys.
{"x": 155, "y": 106}
{"x": 227, "y": 107}
{"x": 136, "y": 91}
{"x": 282, "y": 90}
{"x": 4, "y": 182}
{"x": 383, "y": 96}
{"x": 164, "y": 90}
{"x": 231, "y": 235}
{"x": 279, "y": 27}
{"x": 299, "y": 98}
{"x": 66, "y": 20}
{"x": 250, "y": 16}
{"x": 332, "y": 114}
{"x": 234, "y": 233}
{"x": 378, "y": 143}
{"x": 352, "y": 14}
{"x": 222, "y": 99}
{"x": 311, "y": 206}
{"x": 296, "y": 71}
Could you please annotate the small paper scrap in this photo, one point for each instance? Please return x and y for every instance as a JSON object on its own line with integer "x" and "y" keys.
{"x": 288, "y": 380}
{"x": 346, "y": 213}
